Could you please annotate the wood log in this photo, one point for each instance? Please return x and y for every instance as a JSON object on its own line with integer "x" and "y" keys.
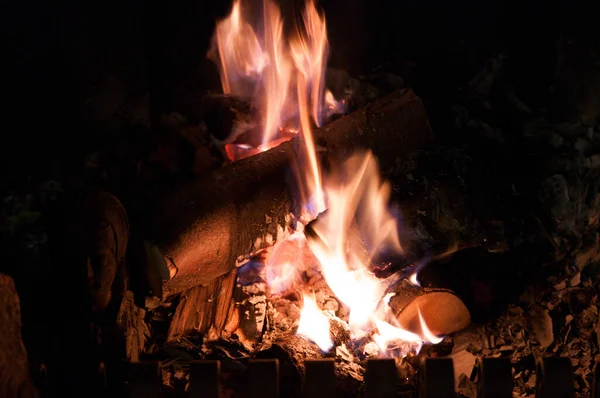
{"x": 96, "y": 235}
{"x": 131, "y": 324}
{"x": 14, "y": 370}
{"x": 204, "y": 226}
{"x": 442, "y": 311}
{"x": 225, "y": 116}
{"x": 209, "y": 310}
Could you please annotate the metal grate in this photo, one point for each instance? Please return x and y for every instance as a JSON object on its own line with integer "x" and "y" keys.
{"x": 554, "y": 379}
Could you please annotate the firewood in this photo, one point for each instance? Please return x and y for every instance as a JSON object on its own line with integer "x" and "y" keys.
{"x": 14, "y": 370}
{"x": 442, "y": 311}
{"x": 227, "y": 117}
{"x": 98, "y": 233}
{"x": 131, "y": 323}
{"x": 209, "y": 310}
{"x": 204, "y": 226}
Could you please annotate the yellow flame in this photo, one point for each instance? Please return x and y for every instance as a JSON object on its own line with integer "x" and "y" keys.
{"x": 356, "y": 197}
{"x": 285, "y": 76}
{"x": 309, "y": 52}
{"x": 314, "y": 324}
{"x": 266, "y": 66}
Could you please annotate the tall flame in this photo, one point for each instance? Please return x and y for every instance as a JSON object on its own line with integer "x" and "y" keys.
{"x": 357, "y": 199}
{"x": 284, "y": 76}
{"x": 267, "y": 66}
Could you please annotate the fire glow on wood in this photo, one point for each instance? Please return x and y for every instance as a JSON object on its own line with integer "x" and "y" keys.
{"x": 283, "y": 75}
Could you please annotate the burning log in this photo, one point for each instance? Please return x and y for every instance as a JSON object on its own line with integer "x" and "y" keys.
{"x": 442, "y": 311}
{"x": 226, "y": 116}
{"x": 413, "y": 305}
{"x": 203, "y": 227}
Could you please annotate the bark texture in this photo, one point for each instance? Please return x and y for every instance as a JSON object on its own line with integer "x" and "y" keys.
{"x": 14, "y": 369}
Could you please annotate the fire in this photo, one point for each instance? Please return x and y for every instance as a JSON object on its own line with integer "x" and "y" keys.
{"x": 256, "y": 61}
{"x": 314, "y": 324}
{"x": 284, "y": 76}
{"x": 357, "y": 226}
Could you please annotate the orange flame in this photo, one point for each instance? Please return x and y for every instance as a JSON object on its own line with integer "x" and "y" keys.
{"x": 314, "y": 324}
{"x": 285, "y": 77}
{"x": 267, "y": 66}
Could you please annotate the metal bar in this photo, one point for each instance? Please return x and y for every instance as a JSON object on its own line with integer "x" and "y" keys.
{"x": 320, "y": 378}
{"x": 437, "y": 378}
{"x": 144, "y": 380}
{"x": 381, "y": 378}
{"x": 554, "y": 378}
{"x": 263, "y": 378}
{"x": 495, "y": 378}
{"x": 205, "y": 379}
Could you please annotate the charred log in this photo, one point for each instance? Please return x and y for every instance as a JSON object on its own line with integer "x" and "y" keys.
{"x": 204, "y": 226}
{"x": 225, "y": 116}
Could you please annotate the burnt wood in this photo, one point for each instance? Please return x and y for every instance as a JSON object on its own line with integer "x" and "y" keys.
{"x": 203, "y": 226}
{"x": 224, "y": 115}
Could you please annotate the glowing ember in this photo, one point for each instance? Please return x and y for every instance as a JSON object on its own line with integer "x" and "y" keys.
{"x": 285, "y": 77}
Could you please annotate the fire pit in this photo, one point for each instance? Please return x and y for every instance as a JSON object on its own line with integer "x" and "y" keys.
{"x": 320, "y": 266}
{"x": 301, "y": 232}
{"x": 301, "y": 249}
